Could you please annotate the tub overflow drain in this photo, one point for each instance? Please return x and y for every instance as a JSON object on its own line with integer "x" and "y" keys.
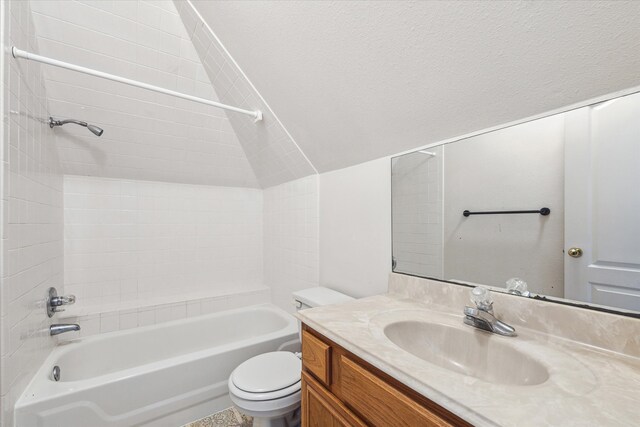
{"x": 55, "y": 374}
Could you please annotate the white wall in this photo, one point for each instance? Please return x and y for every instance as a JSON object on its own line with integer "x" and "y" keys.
{"x": 291, "y": 238}
{"x": 128, "y": 241}
{"x": 355, "y": 232}
{"x": 32, "y": 229}
{"x": 516, "y": 168}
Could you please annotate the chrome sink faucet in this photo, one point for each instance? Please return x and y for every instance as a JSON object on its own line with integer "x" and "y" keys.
{"x": 481, "y": 316}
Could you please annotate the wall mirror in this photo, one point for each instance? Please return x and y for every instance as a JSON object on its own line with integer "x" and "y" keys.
{"x": 553, "y": 202}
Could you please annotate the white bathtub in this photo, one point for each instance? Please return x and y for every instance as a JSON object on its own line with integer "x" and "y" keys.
{"x": 160, "y": 375}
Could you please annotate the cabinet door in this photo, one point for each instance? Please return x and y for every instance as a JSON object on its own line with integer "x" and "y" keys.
{"x": 321, "y": 409}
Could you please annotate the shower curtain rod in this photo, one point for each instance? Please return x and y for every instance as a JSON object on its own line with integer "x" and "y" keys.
{"x": 17, "y": 53}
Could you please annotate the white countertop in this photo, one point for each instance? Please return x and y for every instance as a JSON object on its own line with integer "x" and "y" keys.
{"x": 587, "y": 385}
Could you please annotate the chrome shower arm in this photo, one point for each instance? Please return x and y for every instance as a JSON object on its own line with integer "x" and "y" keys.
{"x": 53, "y": 122}
{"x": 97, "y": 131}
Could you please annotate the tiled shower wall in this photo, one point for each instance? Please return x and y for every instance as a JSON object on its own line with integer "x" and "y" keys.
{"x": 291, "y": 238}
{"x": 148, "y": 135}
{"x": 32, "y": 224}
{"x": 132, "y": 243}
{"x": 136, "y": 252}
{"x": 139, "y": 253}
{"x": 417, "y": 181}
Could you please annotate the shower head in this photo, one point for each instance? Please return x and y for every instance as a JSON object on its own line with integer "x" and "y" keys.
{"x": 94, "y": 129}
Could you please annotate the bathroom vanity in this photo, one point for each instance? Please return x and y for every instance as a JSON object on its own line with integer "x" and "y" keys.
{"x": 341, "y": 389}
{"x": 407, "y": 358}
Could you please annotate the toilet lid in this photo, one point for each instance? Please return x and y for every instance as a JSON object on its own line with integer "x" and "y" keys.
{"x": 268, "y": 372}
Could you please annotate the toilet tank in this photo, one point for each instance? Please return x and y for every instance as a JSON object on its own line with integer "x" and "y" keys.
{"x": 318, "y": 296}
{"x": 312, "y": 297}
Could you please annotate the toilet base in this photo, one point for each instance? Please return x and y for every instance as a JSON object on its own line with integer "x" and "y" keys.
{"x": 286, "y": 409}
{"x": 292, "y": 419}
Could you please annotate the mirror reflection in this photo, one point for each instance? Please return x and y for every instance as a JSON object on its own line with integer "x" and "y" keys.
{"x": 547, "y": 207}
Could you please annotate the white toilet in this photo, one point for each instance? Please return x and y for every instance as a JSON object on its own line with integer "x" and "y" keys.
{"x": 267, "y": 386}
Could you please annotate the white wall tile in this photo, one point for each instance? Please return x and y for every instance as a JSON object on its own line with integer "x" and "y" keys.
{"x": 128, "y": 319}
{"x": 146, "y": 135}
{"x": 118, "y": 318}
{"x": 89, "y": 325}
{"x": 163, "y": 314}
{"x": 127, "y": 241}
{"x": 417, "y": 181}
{"x": 146, "y": 317}
{"x": 109, "y": 322}
{"x": 193, "y": 308}
{"x": 178, "y": 311}
{"x": 291, "y": 238}
{"x": 212, "y": 305}
{"x": 32, "y": 227}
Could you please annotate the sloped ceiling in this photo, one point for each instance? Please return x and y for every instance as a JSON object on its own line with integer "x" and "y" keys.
{"x": 354, "y": 81}
{"x": 151, "y": 136}
{"x": 274, "y": 155}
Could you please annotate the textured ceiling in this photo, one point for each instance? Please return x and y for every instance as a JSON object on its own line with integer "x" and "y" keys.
{"x": 353, "y": 81}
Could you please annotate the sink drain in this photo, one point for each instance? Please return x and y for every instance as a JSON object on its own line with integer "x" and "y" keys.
{"x": 55, "y": 373}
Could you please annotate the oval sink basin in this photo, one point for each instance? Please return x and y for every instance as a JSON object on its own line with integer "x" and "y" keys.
{"x": 468, "y": 352}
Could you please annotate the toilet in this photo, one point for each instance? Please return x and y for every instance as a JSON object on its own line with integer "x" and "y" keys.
{"x": 267, "y": 387}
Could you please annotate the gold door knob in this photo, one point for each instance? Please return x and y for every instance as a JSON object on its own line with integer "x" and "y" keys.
{"x": 575, "y": 252}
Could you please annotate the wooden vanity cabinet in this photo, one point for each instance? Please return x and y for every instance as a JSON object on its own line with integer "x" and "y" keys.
{"x": 320, "y": 408}
{"x": 339, "y": 390}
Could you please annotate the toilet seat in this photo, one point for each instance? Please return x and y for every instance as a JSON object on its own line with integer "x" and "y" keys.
{"x": 267, "y": 376}
{"x": 257, "y": 397}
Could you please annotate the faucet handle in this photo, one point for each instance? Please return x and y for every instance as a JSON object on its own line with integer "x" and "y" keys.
{"x": 63, "y": 300}
{"x": 482, "y": 298}
{"x": 54, "y": 302}
{"x": 517, "y": 286}
{"x": 68, "y": 299}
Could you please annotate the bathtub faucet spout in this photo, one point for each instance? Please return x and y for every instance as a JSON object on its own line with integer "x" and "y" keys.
{"x": 62, "y": 328}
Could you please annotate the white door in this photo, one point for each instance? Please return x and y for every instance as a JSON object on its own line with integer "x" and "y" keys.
{"x": 602, "y": 203}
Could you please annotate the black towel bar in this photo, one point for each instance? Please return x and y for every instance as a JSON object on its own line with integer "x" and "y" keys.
{"x": 542, "y": 211}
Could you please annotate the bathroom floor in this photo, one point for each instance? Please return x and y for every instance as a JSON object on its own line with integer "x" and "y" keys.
{"x": 230, "y": 417}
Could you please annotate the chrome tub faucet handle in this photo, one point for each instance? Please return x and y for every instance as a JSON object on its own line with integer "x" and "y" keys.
{"x": 55, "y": 302}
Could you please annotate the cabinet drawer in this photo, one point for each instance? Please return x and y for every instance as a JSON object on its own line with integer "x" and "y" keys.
{"x": 379, "y": 402}
{"x": 316, "y": 357}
